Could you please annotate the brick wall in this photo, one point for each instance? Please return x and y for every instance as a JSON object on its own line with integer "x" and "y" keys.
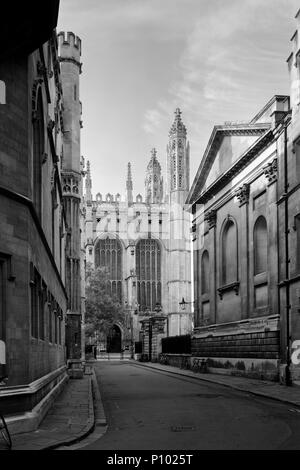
{"x": 250, "y": 345}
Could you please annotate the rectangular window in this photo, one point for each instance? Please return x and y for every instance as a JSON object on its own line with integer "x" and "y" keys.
{"x": 2, "y": 92}
{"x": 55, "y": 325}
{"x": 59, "y": 326}
{"x": 34, "y": 289}
{"x": 50, "y": 302}
{"x": 41, "y": 295}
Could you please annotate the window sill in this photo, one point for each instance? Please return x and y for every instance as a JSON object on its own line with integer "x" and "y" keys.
{"x": 228, "y": 287}
{"x": 261, "y": 278}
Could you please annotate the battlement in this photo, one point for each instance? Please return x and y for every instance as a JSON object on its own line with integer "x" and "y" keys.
{"x": 69, "y": 44}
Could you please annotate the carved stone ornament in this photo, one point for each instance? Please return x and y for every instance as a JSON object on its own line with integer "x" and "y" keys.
{"x": 211, "y": 218}
{"x": 242, "y": 194}
{"x": 270, "y": 171}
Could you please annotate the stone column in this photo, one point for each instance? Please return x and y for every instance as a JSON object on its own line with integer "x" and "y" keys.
{"x": 158, "y": 324}
{"x": 270, "y": 171}
{"x": 211, "y": 219}
{"x": 242, "y": 194}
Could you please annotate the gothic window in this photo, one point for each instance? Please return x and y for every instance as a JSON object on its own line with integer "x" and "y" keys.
{"x": 108, "y": 254}
{"x": 180, "y": 181}
{"x": 260, "y": 238}
{"x": 180, "y": 163}
{"x": 38, "y": 150}
{"x": 173, "y": 145}
{"x": 179, "y": 143}
{"x": 148, "y": 270}
{"x": 229, "y": 253}
{"x": 2, "y": 92}
{"x": 205, "y": 273}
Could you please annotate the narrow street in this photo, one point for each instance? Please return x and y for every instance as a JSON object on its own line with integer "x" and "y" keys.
{"x": 148, "y": 409}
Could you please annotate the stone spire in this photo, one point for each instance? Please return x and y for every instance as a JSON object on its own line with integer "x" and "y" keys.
{"x": 129, "y": 184}
{"x": 177, "y": 128}
{"x": 88, "y": 183}
{"x": 153, "y": 180}
{"x": 178, "y": 160}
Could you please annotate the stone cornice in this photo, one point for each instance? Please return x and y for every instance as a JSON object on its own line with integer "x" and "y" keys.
{"x": 245, "y": 159}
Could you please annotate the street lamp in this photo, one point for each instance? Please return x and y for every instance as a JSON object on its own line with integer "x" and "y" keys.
{"x": 183, "y": 303}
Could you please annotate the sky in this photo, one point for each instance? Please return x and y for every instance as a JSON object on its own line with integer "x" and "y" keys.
{"x": 217, "y": 60}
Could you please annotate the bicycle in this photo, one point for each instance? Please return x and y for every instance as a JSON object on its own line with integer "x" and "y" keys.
{"x": 4, "y": 432}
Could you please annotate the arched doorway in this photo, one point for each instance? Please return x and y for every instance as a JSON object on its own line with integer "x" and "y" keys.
{"x": 114, "y": 340}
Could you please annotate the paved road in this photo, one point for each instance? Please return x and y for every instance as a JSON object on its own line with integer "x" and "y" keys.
{"x": 147, "y": 409}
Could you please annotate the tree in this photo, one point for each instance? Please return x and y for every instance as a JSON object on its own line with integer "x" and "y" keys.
{"x": 102, "y": 308}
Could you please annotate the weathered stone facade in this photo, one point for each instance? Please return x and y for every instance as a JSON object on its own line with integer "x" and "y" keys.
{"x": 152, "y": 242}
{"x": 245, "y": 205}
{"x": 34, "y": 230}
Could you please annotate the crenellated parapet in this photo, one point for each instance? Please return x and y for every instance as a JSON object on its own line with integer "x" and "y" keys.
{"x": 69, "y": 48}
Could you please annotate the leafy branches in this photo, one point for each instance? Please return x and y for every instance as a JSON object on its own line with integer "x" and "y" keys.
{"x": 103, "y": 309}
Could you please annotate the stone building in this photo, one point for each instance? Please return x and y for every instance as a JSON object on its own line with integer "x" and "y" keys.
{"x": 245, "y": 206}
{"x": 37, "y": 123}
{"x": 145, "y": 244}
{"x": 288, "y": 148}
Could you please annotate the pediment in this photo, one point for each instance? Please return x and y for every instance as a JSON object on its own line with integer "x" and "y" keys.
{"x": 226, "y": 146}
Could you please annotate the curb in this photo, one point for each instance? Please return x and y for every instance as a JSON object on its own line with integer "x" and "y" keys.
{"x": 234, "y": 387}
{"x": 90, "y": 424}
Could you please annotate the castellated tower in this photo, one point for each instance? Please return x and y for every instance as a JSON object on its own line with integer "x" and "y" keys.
{"x": 179, "y": 285}
{"x": 69, "y": 56}
{"x": 153, "y": 181}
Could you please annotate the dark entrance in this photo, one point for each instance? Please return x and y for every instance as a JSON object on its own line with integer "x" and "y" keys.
{"x": 114, "y": 340}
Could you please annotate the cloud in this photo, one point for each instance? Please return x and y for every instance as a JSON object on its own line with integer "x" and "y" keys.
{"x": 232, "y": 62}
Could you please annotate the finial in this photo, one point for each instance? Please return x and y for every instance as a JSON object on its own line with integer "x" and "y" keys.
{"x": 178, "y": 114}
{"x": 129, "y": 177}
{"x": 129, "y": 184}
{"x": 153, "y": 153}
{"x": 177, "y": 126}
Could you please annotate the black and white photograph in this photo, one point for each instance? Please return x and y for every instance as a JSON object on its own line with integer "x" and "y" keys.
{"x": 149, "y": 229}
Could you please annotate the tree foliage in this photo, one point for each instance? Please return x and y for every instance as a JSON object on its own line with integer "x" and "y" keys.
{"x": 102, "y": 308}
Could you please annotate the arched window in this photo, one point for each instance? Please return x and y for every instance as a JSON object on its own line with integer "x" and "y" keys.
{"x": 148, "y": 271}
{"x": 229, "y": 253}
{"x": 38, "y": 150}
{"x": 2, "y": 92}
{"x": 108, "y": 254}
{"x": 260, "y": 239}
{"x": 205, "y": 273}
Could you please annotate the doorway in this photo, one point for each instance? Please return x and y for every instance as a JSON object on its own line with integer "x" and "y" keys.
{"x": 114, "y": 340}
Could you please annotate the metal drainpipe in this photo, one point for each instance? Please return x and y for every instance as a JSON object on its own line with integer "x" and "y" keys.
{"x": 287, "y": 261}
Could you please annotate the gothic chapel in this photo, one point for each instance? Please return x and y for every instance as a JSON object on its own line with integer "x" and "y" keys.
{"x": 145, "y": 244}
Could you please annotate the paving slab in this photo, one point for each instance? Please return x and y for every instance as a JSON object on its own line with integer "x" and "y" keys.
{"x": 70, "y": 419}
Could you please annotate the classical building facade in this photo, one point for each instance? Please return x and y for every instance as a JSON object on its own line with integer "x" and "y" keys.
{"x": 245, "y": 205}
{"x": 145, "y": 245}
{"x": 40, "y": 185}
